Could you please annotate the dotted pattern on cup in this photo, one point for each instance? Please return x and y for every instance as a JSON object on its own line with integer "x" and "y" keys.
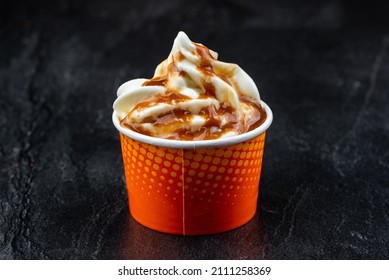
{"x": 192, "y": 191}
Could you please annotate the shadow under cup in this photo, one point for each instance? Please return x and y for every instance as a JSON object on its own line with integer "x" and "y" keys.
{"x": 193, "y": 187}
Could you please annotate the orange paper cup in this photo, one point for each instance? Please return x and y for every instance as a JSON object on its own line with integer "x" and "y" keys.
{"x": 193, "y": 187}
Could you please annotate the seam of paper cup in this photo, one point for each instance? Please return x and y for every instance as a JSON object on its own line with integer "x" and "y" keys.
{"x": 178, "y": 144}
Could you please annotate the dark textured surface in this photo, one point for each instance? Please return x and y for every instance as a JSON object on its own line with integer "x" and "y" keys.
{"x": 323, "y": 69}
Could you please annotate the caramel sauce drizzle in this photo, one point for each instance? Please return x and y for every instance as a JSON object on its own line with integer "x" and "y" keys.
{"x": 212, "y": 128}
{"x": 157, "y": 81}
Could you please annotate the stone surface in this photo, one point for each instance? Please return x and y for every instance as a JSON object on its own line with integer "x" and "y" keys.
{"x": 323, "y": 69}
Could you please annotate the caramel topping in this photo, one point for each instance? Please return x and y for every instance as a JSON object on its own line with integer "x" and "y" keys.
{"x": 169, "y": 97}
{"x": 202, "y": 121}
{"x": 259, "y": 115}
{"x": 205, "y": 60}
{"x": 205, "y": 57}
{"x": 157, "y": 81}
{"x": 135, "y": 127}
{"x": 212, "y": 129}
{"x": 209, "y": 91}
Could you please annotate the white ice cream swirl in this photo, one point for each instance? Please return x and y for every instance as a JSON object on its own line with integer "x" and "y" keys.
{"x": 192, "y": 96}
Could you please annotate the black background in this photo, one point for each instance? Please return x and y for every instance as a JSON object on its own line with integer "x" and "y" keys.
{"x": 322, "y": 66}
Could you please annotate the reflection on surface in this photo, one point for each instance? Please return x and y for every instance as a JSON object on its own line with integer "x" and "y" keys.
{"x": 134, "y": 241}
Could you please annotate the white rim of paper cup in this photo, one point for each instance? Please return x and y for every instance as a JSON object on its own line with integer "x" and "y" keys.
{"x": 183, "y": 144}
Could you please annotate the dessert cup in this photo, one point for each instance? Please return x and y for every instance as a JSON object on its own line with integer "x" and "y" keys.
{"x": 193, "y": 187}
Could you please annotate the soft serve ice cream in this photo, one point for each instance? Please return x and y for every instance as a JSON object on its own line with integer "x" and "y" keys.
{"x": 192, "y": 96}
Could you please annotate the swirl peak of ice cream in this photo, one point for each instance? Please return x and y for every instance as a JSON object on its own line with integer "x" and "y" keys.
{"x": 192, "y": 96}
